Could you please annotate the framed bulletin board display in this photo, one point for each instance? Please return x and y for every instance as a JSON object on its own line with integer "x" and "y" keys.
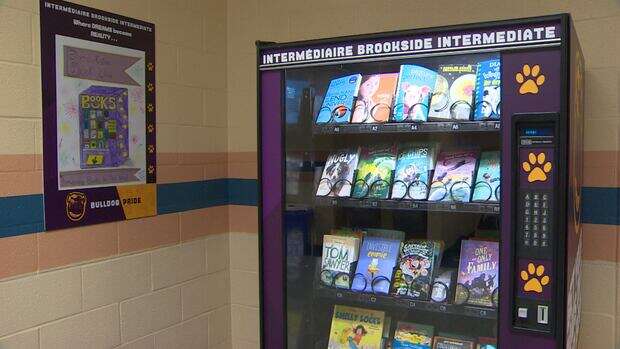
{"x": 98, "y": 80}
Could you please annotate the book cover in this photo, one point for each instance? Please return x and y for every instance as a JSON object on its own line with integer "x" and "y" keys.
{"x": 453, "y": 177}
{"x": 413, "y": 167}
{"x": 339, "y": 253}
{"x": 338, "y": 101}
{"x": 374, "y": 171}
{"x": 488, "y": 90}
{"x": 377, "y": 259}
{"x": 441, "y": 342}
{"x": 356, "y": 328}
{"x": 414, "y": 273}
{"x": 415, "y": 85}
{"x": 487, "y": 343}
{"x": 413, "y": 336}
{"x": 479, "y": 270}
{"x": 337, "y": 177}
{"x": 453, "y": 95}
{"x": 487, "y": 177}
{"x": 374, "y": 102}
{"x": 443, "y": 285}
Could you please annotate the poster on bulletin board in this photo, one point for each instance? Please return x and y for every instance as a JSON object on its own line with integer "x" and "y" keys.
{"x": 98, "y": 91}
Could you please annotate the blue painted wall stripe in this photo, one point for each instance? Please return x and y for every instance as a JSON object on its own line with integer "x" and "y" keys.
{"x": 24, "y": 214}
{"x": 600, "y": 205}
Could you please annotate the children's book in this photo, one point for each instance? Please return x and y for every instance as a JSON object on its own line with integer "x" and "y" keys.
{"x": 414, "y": 274}
{"x": 487, "y": 343}
{"x": 487, "y": 177}
{"x": 375, "y": 265}
{"x": 443, "y": 342}
{"x": 356, "y": 328}
{"x": 488, "y": 90}
{"x": 338, "y": 102}
{"x": 453, "y": 95}
{"x": 415, "y": 85}
{"x": 443, "y": 285}
{"x": 337, "y": 178}
{"x": 413, "y": 168}
{"x": 479, "y": 270}
{"x": 453, "y": 177}
{"x": 374, "y": 172}
{"x": 374, "y": 102}
{"x": 339, "y": 254}
{"x": 413, "y": 336}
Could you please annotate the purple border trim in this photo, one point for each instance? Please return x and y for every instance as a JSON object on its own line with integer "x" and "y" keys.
{"x": 271, "y": 232}
{"x": 54, "y": 21}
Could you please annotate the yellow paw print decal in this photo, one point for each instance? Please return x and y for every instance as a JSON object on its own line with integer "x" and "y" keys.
{"x": 534, "y": 278}
{"x": 536, "y": 167}
{"x": 530, "y": 79}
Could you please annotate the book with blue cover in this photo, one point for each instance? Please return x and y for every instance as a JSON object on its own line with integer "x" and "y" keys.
{"x": 375, "y": 266}
{"x": 488, "y": 90}
{"x": 478, "y": 271}
{"x": 413, "y": 92}
{"x": 413, "y": 167}
{"x": 487, "y": 178}
{"x": 338, "y": 101}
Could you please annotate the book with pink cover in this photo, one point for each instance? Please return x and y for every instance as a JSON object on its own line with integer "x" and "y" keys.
{"x": 374, "y": 100}
{"x": 453, "y": 177}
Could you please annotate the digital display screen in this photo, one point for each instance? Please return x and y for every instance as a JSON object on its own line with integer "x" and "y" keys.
{"x": 536, "y": 131}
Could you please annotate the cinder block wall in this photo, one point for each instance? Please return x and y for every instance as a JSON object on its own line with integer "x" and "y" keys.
{"x": 597, "y": 24}
{"x": 160, "y": 282}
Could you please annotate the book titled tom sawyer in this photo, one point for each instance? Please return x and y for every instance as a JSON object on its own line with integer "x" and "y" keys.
{"x": 453, "y": 177}
{"x": 478, "y": 271}
{"x": 453, "y": 95}
{"x": 375, "y": 265}
{"x": 338, "y": 101}
{"x": 375, "y": 98}
{"x": 337, "y": 178}
{"x": 415, "y": 85}
{"x": 339, "y": 253}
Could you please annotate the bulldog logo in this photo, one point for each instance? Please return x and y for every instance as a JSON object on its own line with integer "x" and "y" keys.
{"x": 75, "y": 206}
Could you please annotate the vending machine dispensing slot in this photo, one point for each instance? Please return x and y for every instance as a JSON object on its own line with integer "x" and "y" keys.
{"x": 534, "y": 228}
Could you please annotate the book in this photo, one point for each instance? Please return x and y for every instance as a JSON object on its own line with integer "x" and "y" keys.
{"x": 479, "y": 271}
{"x": 442, "y": 342}
{"x": 453, "y": 177}
{"x": 413, "y": 336}
{"x": 339, "y": 254}
{"x": 374, "y": 102}
{"x": 414, "y": 274}
{"x": 488, "y": 90}
{"x": 443, "y": 285}
{"x": 338, "y": 100}
{"x": 337, "y": 177}
{"x": 415, "y": 85}
{"x": 413, "y": 168}
{"x": 487, "y": 177}
{"x": 487, "y": 343}
{"x": 377, "y": 259}
{"x": 374, "y": 171}
{"x": 356, "y": 328}
{"x": 453, "y": 95}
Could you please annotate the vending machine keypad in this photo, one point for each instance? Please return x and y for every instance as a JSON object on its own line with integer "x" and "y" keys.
{"x": 534, "y": 229}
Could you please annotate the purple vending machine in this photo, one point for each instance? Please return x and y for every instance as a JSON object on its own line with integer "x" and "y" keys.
{"x": 421, "y": 188}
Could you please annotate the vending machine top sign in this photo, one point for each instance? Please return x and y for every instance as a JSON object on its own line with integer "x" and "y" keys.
{"x": 434, "y": 171}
